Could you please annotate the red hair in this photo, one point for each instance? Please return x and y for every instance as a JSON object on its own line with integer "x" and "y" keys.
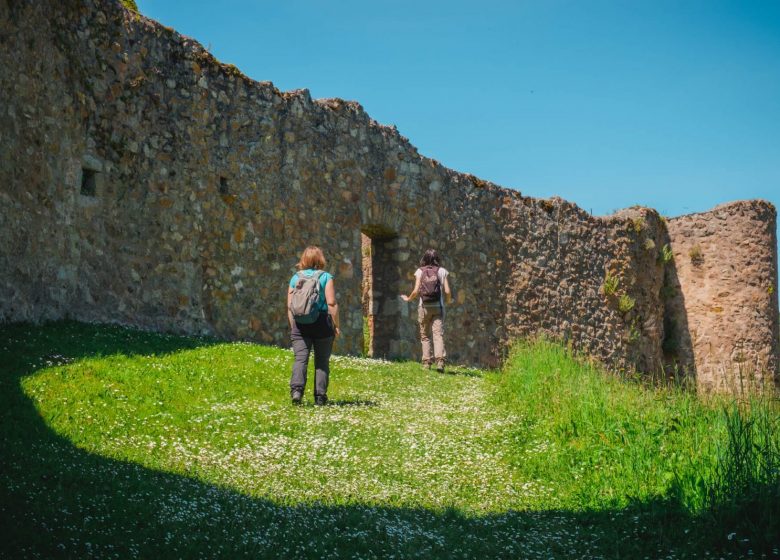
{"x": 312, "y": 257}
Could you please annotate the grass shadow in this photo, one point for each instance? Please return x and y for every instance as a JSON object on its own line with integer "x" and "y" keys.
{"x": 462, "y": 371}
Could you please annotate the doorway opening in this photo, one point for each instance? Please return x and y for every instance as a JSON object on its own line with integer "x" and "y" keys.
{"x": 380, "y": 291}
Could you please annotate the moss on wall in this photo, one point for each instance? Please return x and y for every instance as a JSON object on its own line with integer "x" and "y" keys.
{"x": 130, "y": 5}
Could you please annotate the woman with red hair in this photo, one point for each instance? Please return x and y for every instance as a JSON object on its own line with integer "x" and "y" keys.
{"x": 316, "y": 333}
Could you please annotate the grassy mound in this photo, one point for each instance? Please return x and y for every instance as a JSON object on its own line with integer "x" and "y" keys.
{"x": 119, "y": 442}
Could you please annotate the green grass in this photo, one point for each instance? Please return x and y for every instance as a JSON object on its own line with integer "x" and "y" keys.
{"x": 366, "y": 336}
{"x": 119, "y": 443}
{"x": 661, "y": 455}
{"x": 620, "y": 441}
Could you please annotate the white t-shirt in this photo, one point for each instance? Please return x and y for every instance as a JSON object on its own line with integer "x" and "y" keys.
{"x": 442, "y": 276}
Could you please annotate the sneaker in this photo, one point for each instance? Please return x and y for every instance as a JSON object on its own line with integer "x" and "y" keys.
{"x": 320, "y": 400}
{"x": 296, "y": 397}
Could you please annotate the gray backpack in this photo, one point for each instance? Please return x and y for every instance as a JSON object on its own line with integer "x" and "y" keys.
{"x": 305, "y": 299}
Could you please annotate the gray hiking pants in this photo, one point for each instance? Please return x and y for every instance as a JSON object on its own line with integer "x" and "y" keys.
{"x": 302, "y": 347}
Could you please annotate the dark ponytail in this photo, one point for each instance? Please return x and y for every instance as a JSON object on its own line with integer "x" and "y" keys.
{"x": 430, "y": 258}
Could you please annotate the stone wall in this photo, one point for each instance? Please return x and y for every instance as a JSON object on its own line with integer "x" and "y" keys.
{"x": 561, "y": 260}
{"x": 722, "y": 319}
{"x": 145, "y": 183}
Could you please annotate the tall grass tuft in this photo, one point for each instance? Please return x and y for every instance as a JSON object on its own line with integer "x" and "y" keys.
{"x": 611, "y": 442}
{"x": 710, "y": 465}
{"x": 744, "y": 493}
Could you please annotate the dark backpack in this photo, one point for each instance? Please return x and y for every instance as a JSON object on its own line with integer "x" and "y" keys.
{"x": 430, "y": 285}
{"x": 305, "y": 299}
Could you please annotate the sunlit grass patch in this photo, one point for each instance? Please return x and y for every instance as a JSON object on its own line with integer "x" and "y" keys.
{"x": 394, "y": 434}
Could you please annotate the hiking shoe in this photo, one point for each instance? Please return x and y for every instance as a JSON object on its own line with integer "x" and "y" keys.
{"x": 440, "y": 368}
{"x": 320, "y": 400}
{"x": 296, "y": 397}
{"x": 426, "y": 365}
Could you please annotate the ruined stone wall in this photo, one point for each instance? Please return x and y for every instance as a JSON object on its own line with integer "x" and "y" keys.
{"x": 145, "y": 183}
{"x": 722, "y": 319}
{"x": 561, "y": 260}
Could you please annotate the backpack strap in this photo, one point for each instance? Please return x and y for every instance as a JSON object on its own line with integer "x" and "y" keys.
{"x": 316, "y": 277}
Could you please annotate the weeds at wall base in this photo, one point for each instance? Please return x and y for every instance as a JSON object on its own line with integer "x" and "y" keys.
{"x": 715, "y": 460}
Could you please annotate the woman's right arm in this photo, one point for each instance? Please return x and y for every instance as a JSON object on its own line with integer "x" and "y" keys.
{"x": 415, "y": 291}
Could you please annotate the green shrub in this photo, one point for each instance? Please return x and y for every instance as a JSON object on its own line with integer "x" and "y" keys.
{"x": 697, "y": 257}
{"x": 626, "y": 303}
{"x": 666, "y": 255}
{"x": 634, "y": 333}
{"x": 130, "y": 5}
{"x": 610, "y": 285}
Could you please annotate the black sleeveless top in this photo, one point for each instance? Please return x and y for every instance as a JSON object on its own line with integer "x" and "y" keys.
{"x": 321, "y": 328}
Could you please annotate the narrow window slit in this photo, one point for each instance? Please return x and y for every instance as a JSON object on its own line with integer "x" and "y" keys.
{"x": 88, "y": 182}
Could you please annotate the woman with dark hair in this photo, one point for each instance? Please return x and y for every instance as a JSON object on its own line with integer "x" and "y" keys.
{"x": 317, "y": 329}
{"x": 433, "y": 288}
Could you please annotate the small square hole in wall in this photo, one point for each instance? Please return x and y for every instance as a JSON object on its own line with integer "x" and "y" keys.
{"x": 88, "y": 182}
{"x": 223, "y": 185}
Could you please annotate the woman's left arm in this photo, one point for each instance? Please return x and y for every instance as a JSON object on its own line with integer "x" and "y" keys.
{"x": 289, "y": 313}
{"x": 333, "y": 306}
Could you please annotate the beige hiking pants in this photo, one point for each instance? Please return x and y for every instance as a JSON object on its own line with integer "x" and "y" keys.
{"x": 431, "y": 320}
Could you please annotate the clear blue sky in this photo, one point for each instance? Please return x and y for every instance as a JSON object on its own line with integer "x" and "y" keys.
{"x": 668, "y": 104}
